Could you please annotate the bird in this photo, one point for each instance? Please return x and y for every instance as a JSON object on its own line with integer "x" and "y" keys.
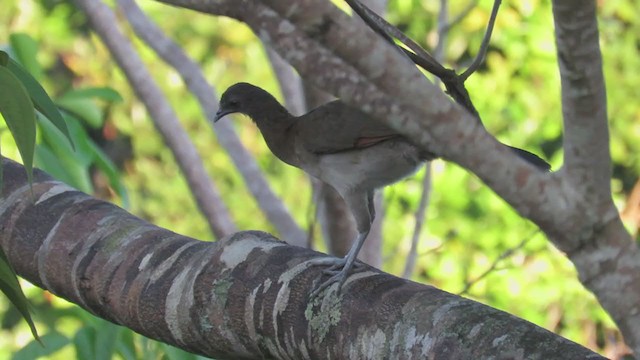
{"x": 342, "y": 146}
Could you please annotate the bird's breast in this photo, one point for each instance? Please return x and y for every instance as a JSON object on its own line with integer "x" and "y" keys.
{"x": 368, "y": 168}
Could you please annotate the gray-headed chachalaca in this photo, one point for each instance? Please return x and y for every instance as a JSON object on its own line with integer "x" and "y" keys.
{"x": 340, "y": 145}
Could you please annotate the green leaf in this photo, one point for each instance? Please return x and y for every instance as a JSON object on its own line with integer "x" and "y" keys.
{"x": 52, "y": 341}
{"x": 174, "y": 353}
{"x": 84, "y": 342}
{"x": 40, "y": 98}
{"x": 53, "y": 164}
{"x": 1, "y": 174}
{"x": 26, "y": 50}
{"x": 126, "y": 346}
{"x": 56, "y": 156}
{"x": 10, "y": 286}
{"x": 97, "y": 341}
{"x": 17, "y": 109}
{"x": 52, "y": 137}
{"x": 84, "y": 109}
{"x": 103, "y": 93}
{"x": 106, "y": 339}
{"x": 4, "y": 58}
{"x": 104, "y": 163}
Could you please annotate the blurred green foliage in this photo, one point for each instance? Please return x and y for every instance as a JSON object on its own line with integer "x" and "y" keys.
{"x": 517, "y": 93}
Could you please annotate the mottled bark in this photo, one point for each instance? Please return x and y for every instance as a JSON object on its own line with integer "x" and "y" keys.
{"x": 245, "y": 296}
{"x": 572, "y": 206}
{"x": 606, "y": 257}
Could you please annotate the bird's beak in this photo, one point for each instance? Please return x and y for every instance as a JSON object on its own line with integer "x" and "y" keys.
{"x": 222, "y": 113}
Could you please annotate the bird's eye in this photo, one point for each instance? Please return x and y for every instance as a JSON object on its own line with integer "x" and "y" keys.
{"x": 233, "y": 103}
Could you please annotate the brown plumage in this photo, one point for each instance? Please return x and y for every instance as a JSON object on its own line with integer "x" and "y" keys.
{"x": 336, "y": 143}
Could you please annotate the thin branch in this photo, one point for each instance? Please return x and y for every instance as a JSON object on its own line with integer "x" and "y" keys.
{"x": 507, "y": 253}
{"x": 462, "y": 15}
{"x": 417, "y": 54}
{"x": 426, "y": 181}
{"x": 485, "y": 42}
{"x": 453, "y": 83}
{"x": 103, "y": 22}
{"x": 289, "y": 81}
{"x": 442, "y": 30}
{"x": 245, "y": 297}
{"x": 272, "y": 206}
{"x": 420, "y": 219}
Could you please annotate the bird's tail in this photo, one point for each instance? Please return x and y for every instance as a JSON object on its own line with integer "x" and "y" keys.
{"x": 532, "y": 158}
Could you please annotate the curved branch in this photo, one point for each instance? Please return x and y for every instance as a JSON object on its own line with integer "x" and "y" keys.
{"x": 420, "y": 217}
{"x": 607, "y": 259}
{"x": 584, "y": 101}
{"x": 275, "y": 211}
{"x": 208, "y": 198}
{"x": 245, "y": 296}
{"x": 485, "y": 42}
{"x": 289, "y": 82}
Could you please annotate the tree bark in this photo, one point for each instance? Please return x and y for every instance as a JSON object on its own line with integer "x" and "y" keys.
{"x": 245, "y": 296}
{"x": 606, "y": 257}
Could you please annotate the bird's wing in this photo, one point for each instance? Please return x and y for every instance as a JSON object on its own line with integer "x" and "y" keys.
{"x": 336, "y": 127}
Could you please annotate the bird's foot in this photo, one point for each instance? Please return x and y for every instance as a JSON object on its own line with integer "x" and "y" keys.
{"x": 338, "y": 270}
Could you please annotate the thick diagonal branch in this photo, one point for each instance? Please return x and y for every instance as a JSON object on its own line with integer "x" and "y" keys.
{"x": 244, "y": 297}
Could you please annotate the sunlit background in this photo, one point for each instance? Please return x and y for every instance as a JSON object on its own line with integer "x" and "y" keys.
{"x": 467, "y": 229}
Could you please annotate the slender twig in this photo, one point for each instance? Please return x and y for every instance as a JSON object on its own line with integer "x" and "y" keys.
{"x": 417, "y": 54}
{"x": 442, "y": 30}
{"x": 208, "y": 199}
{"x": 485, "y": 42}
{"x": 290, "y": 83}
{"x": 420, "y": 219}
{"x": 453, "y": 83}
{"x": 507, "y": 253}
{"x": 426, "y": 180}
{"x": 169, "y": 51}
{"x": 461, "y": 15}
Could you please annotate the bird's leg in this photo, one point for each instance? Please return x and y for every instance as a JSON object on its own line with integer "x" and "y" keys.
{"x": 363, "y": 210}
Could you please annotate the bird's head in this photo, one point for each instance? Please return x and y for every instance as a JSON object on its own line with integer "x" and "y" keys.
{"x": 241, "y": 98}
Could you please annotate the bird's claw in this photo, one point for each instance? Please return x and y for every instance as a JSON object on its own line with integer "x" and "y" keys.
{"x": 336, "y": 270}
{"x": 339, "y": 277}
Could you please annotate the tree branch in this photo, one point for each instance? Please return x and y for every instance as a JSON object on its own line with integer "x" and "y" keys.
{"x": 607, "y": 259}
{"x": 507, "y": 253}
{"x": 485, "y": 43}
{"x": 290, "y": 83}
{"x": 584, "y": 102}
{"x": 164, "y": 118}
{"x": 410, "y": 263}
{"x": 275, "y": 211}
{"x": 472, "y": 4}
{"x": 237, "y": 298}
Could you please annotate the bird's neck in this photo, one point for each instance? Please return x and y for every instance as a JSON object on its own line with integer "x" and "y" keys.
{"x": 274, "y": 122}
